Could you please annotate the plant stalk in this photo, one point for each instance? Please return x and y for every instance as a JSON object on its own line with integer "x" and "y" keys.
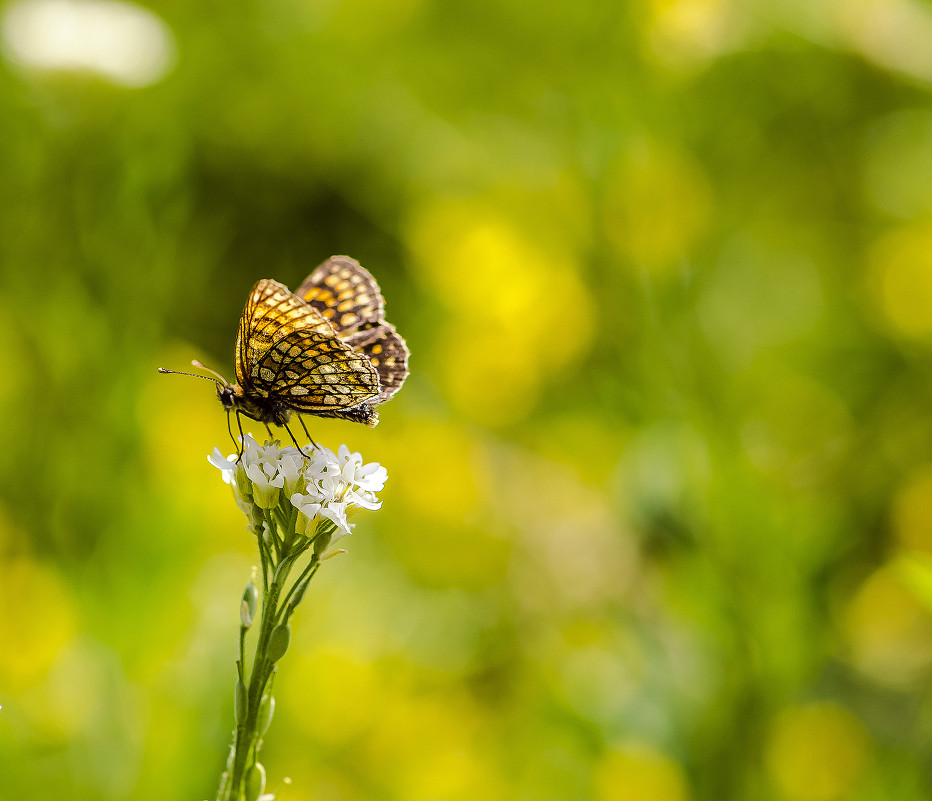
{"x": 247, "y": 734}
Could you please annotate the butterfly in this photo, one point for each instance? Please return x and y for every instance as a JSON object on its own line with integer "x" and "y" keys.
{"x": 325, "y": 349}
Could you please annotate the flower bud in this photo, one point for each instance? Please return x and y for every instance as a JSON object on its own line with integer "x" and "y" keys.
{"x": 240, "y": 701}
{"x": 279, "y": 641}
{"x": 247, "y": 608}
{"x": 255, "y": 782}
{"x": 266, "y": 711}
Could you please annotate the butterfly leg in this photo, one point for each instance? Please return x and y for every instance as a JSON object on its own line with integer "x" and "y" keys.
{"x": 293, "y": 438}
{"x": 304, "y": 426}
{"x": 230, "y": 429}
{"x": 242, "y": 436}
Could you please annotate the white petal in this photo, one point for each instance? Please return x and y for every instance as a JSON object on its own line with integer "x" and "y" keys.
{"x": 218, "y": 461}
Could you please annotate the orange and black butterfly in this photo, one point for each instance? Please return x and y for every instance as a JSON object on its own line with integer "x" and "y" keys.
{"x": 324, "y": 350}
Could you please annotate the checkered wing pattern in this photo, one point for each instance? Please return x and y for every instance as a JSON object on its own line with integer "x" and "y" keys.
{"x": 387, "y": 353}
{"x": 288, "y": 352}
{"x": 344, "y": 293}
{"x": 349, "y": 298}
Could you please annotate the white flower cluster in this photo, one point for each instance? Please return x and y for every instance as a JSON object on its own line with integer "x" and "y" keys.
{"x": 314, "y": 482}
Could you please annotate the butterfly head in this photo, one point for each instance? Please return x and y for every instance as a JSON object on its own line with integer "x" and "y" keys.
{"x": 227, "y": 394}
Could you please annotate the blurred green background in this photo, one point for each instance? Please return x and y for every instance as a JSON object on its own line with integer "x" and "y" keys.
{"x": 659, "y": 516}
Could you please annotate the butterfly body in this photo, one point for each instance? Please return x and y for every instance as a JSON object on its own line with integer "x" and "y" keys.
{"x": 264, "y": 410}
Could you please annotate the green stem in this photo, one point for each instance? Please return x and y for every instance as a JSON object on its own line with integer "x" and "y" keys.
{"x": 247, "y": 735}
{"x": 306, "y": 574}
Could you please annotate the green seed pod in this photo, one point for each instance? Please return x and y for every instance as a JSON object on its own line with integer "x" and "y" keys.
{"x": 322, "y": 542}
{"x": 240, "y": 701}
{"x": 255, "y": 782}
{"x": 266, "y": 711}
{"x": 247, "y": 609}
{"x": 278, "y": 642}
{"x": 258, "y": 517}
{"x": 299, "y": 593}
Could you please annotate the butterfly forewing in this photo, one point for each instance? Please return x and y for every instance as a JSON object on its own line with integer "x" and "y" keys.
{"x": 287, "y": 352}
{"x": 271, "y": 314}
{"x": 344, "y": 293}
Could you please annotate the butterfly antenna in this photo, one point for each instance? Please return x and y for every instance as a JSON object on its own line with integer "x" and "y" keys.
{"x": 193, "y": 375}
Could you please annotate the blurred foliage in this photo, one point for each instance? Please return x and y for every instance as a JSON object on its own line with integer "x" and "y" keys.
{"x": 659, "y": 516}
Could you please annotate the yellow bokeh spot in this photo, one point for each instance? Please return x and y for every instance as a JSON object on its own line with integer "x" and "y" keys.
{"x": 347, "y": 707}
{"x": 683, "y": 32}
{"x": 435, "y": 473}
{"x": 448, "y": 761}
{"x": 477, "y": 262}
{"x": 454, "y": 774}
{"x": 32, "y": 634}
{"x": 888, "y": 630}
{"x": 901, "y": 272}
{"x": 816, "y": 752}
{"x": 518, "y": 310}
{"x": 636, "y": 772}
{"x": 912, "y": 512}
{"x": 495, "y": 377}
{"x": 657, "y": 206}
{"x": 435, "y": 479}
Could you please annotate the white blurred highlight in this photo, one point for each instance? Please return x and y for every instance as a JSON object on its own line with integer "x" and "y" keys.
{"x": 892, "y": 33}
{"x": 122, "y": 42}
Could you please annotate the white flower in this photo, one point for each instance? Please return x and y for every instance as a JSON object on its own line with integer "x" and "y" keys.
{"x": 291, "y": 469}
{"x": 320, "y": 484}
{"x": 227, "y": 467}
{"x": 234, "y": 475}
{"x": 336, "y": 512}
{"x": 308, "y": 507}
{"x": 368, "y": 477}
{"x": 253, "y": 452}
{"x": 266, "y": 483}
{"x": 365, "y": 499}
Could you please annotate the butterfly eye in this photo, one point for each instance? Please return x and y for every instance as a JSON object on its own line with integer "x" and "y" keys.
{"x": 226, "y": 396}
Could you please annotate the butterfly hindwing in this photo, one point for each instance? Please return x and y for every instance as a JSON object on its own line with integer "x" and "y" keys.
{"x": 344, "y": 293}
{"x": 388, "y": 354}
{"x": 349, "y": 297}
